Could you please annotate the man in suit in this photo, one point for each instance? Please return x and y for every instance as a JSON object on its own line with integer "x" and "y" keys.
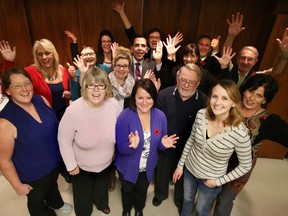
{"x": 207, "y": 52}
{"x": 140, "y": 64}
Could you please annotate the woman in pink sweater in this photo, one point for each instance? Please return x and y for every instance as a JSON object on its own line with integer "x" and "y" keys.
{"x": 87, "y": 141}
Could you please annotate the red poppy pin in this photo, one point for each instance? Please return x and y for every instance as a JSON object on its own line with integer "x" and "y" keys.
{"x": 156, "y": 131}
{"x": 203, "y": 63}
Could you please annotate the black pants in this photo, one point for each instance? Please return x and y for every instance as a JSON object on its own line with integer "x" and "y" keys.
{"x": 45, "y": 194}
{"x": 134, "y": 194}
{"x": 90, "y": 188}
{"x": 163, "y": 175}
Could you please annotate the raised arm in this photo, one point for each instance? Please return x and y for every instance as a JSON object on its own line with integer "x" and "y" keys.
{"x": 8, "y": 55}
{"x": 116, "y": 6}
{"x": 171, "y": 48}
{"x": 282, "y": 60}
{"x": 235, "y": 27}
{"x": 73, "y": 44}
{"x": 226, "y": 57}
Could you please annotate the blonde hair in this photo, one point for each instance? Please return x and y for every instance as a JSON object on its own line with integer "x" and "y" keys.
{"x": 234, "y": 118}
{"x": 122, "y": 53}
{"x": 97, "y": 75}
{"x": 47, "y": 45}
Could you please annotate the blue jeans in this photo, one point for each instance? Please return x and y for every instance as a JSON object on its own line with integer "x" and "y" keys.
{"x": 206, "y": 195}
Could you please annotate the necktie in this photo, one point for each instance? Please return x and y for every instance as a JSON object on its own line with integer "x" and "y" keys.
{"x": 137, "y": 71}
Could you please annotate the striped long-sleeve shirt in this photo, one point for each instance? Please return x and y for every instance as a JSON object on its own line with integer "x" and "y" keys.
{"x": 208, "y": 158}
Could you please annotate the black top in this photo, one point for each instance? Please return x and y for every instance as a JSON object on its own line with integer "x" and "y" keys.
{"x": 180, "y": 114}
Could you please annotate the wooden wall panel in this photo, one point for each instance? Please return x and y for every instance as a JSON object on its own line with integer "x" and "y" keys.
{"x": 14, "y": 28}
{"x": 279, "y": 105}
{"x": 213, "y": 17}
{"x": 172, "y": 16}
{"x": 23, "y": 22}
{"x": 95, "y": 16}
{"x": 49, "y": 19}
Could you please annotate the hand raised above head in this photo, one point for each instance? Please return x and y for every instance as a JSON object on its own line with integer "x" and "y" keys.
{"x": 235, "y": 25}
{"x": 71, "y": 35}
{"x": 170, "y": 45}
{"x": 157, "y": 53}
{"x": 226, "y": 57}
{"x": 117, "y": 6}
{"x": 6, "y": 51}
{"x": 178, "y": 38}
{"x": 283, "y": 44}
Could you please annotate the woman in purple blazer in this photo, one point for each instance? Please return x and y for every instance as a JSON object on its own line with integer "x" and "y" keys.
{"x": 140, "y": 131}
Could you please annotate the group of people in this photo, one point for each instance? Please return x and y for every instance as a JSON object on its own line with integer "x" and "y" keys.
{"x": 198, "y": 121}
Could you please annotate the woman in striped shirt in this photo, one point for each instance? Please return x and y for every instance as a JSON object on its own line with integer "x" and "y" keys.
{"x": 218, "y": 131}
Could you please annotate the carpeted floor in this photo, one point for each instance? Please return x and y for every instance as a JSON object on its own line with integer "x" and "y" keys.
{"x": 265, "y": 194}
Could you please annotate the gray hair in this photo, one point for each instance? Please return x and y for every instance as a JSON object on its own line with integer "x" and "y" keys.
{"x": 252, "y": 49}
{"x": 193, "y": 67}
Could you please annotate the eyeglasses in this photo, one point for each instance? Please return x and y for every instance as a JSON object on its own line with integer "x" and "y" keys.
{"x": 106, "y": 41}
{"x": 87, "y": 54}
{"x": 190, "y": 83}
{"x": 154, "y": 37}
{"x": 249, "y": 59}
{"x": 98, "y": 86}
{"x": 125, "y": 67}
{"x": 20, "y": 86}
{"x": 40, "y": 54}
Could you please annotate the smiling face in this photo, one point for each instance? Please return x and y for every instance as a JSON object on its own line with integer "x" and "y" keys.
{"x": 204, "y": 46}
{"x": 20, "y": 89}
{"x": 121, "y": 68}
{"x": 106, "y": 43}
{"x": 190, "y": 58}
{"x": 143, "y": 101}
{"x": 246, "y": 60}
{"x": 252, "y": 99}
{"x": 153, "y": 38}
{"x": 220, "y": 102}
{"x": 139, "y": 48}
{"x": 45, "y": 58}
{"x": 89, "y": 57}
{"x": 96, "y": 92}
{"x": 187, "y": 83}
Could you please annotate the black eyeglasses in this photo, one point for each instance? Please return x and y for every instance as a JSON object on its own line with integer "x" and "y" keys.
{"x": 98, "y": 86}
{"x": 190, "y": 83}
{"x": 126, "y": 67}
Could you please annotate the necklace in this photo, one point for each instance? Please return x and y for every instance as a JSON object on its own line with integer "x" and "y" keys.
{"x": 53, "y": 77}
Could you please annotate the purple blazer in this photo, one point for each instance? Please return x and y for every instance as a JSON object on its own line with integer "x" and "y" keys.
{"x": 128, "y": 159}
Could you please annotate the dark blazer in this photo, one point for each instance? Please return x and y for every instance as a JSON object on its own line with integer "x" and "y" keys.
{"x": 233, "y": 74}
{"x": 146, "y": 65}
{"x": 211, "y": 64}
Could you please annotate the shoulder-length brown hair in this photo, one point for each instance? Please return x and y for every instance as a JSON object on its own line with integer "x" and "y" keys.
{"x": 235, "y": 117}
